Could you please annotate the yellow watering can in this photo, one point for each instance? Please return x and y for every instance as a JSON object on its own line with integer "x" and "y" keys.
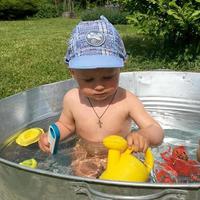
{"x": 122, "y": 165}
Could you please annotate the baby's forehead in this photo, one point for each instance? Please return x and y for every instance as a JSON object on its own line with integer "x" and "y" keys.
{"x": 97, "y": 71}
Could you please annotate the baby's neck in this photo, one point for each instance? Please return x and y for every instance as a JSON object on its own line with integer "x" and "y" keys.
{"x": 101, "y": 103}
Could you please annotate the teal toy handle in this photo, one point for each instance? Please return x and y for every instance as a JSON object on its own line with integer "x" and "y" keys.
{"x": 53, "y": 138}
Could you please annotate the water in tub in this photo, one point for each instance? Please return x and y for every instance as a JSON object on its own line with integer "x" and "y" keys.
{"x": 165, "y": 163}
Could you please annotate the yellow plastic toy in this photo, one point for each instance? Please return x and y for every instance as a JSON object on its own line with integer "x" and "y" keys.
{"x": 29, "y": 136}
{"x": 122, "y": 165}
{"x": 32, "y": 163}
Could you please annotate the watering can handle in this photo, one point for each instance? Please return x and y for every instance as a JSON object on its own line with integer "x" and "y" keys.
{"x": 167, "y": 194}
{"x": 149, "y": 159}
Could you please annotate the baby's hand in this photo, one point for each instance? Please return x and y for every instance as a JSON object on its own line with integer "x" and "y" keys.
{"x": 139, "y": 141}
{"x": 43, "y": 143}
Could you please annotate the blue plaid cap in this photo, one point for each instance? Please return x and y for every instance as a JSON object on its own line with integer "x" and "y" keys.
{"x": 95, "y": 44}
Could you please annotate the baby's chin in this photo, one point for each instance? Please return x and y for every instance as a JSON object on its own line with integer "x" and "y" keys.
{"x": 99, "y": 98}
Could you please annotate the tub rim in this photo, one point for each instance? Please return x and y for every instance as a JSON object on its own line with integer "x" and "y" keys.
{"x": 84, "y": 179}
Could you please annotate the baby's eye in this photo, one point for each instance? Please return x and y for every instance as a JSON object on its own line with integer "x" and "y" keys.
{"x": 107, "y": 77}
{"x": 88, "y": 80}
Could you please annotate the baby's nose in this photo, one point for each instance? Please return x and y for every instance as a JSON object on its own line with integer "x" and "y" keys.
{"x": 99, "y": 87}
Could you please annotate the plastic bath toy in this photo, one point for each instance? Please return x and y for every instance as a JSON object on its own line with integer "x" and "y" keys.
{"x": 53, "y": 137}
{"x": 122, "y": 165}
{"x": 177, "y": 163}
{"x": 32, "y": 163}
{"x": 29, "y": 136}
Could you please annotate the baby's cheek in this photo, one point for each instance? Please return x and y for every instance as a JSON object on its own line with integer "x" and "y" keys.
{"x": 86, "y": 91}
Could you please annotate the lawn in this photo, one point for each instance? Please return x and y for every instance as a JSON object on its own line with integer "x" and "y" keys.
{"x": 32, "y": 53}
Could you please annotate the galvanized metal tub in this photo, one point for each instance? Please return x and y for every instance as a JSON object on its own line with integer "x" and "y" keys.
{"x": 173, "y": 98}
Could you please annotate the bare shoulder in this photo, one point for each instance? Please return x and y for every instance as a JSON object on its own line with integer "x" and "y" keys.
{"x": 71, "y": 95}
{"x": 132, "y": 102}
{"x": 129, "y": 96}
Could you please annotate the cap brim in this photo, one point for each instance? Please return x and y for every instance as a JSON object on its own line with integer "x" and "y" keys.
{"x": 96, "y": 61}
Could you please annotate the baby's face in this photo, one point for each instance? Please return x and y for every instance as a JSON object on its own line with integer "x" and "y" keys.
{"x": 97, "y": 84}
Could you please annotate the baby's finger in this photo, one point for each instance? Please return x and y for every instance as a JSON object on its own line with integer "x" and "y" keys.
{"x": 137, "y": 144}
{"x": 133, "y": 140}
{"x": 43, "y": 143}
{"x": 146, "y": 145}
{"x": 129, "y": 140}
{"x": 44, "y": 148}
{"x": 44, "y": 138}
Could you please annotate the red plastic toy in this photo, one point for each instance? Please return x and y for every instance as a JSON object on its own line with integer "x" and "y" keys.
{"x": 177, "y": 163}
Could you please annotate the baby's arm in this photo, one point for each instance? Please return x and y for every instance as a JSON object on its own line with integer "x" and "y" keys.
{"x": 150, "y": 132}
{"x": 65, "y": 124}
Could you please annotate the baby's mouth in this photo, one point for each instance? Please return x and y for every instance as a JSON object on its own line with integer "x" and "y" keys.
{"x": 101, "y": 96}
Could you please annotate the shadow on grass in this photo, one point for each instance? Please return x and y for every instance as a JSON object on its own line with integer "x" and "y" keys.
{"x": 155, "y": 48}
{"x": 140, "y": 46}
{"x": 146, "y": 53}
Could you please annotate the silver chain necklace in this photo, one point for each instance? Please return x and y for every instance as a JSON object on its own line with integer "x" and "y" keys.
{"x": 99, "y": 117}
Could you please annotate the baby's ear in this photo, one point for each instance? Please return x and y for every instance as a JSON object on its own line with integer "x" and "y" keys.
{"x": 71, "y": 72}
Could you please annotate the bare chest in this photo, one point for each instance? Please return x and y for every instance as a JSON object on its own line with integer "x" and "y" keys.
{"x": 95, "y": 123}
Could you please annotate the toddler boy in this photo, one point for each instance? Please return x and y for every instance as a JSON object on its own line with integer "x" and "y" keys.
{"x": 99, "y": 107}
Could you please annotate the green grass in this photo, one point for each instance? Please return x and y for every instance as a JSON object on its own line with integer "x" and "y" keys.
{"x": 32, "y": 53}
